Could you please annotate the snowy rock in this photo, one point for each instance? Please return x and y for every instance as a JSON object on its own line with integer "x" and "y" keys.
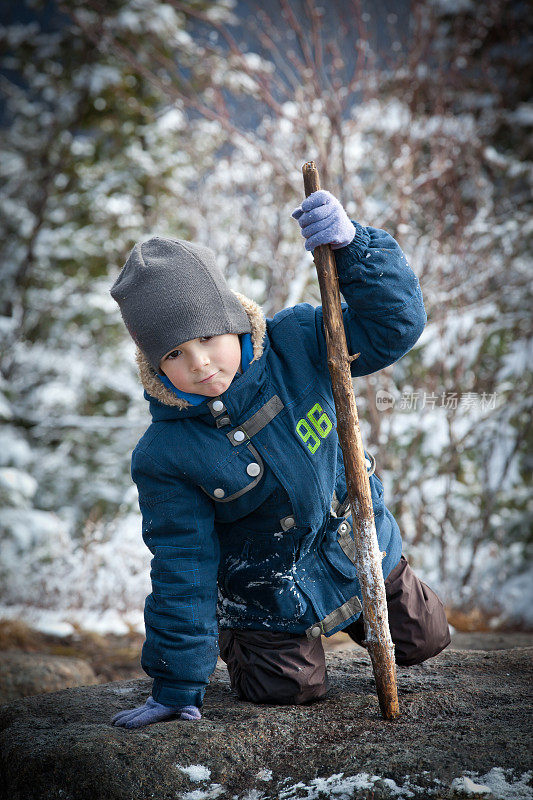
{"x": 24, "y": 674}
{"x": 462, "y": 724}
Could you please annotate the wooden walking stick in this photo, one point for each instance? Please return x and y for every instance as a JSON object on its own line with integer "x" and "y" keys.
{"x": 367, "y": 554}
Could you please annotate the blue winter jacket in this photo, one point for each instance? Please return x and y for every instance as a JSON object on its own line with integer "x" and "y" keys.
{"x": 243, "y": 497}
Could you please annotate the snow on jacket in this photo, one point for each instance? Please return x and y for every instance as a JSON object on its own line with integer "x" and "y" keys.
{"x": 243, "y": 497}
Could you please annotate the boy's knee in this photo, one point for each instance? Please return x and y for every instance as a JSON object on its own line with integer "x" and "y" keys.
{"x": 426, "y": 638}
{"x": 417, "y": 619}
{"x": 274, "y": 668}
{"x": 410, "y": 656}
{"x": 253, "y": 687}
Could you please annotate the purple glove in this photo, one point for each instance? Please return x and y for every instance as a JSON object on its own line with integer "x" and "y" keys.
{"x": 323, "y": 220}
{"x": 152, "y": 711}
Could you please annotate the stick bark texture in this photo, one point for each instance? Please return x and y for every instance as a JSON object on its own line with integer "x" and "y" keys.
{"x": 368, "y": 556}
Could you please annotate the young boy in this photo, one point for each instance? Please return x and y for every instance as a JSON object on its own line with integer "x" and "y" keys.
{"x": 241, "y": 478}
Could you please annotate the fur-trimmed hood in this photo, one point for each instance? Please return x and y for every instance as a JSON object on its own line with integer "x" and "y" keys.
{"x": 156, "y": 388}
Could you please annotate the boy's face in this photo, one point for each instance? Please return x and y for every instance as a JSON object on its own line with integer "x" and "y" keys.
{"x": 189, "y": 365}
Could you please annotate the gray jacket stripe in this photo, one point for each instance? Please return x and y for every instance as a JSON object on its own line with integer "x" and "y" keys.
{"x": 337, "y": 617}
{"x": 258, "y": 420}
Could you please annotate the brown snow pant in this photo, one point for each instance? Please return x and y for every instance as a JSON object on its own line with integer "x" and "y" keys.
{"x": 272, "y": 667}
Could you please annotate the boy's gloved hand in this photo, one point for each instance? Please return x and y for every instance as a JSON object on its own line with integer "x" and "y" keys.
{"x": 152, "y": 711}
{"x": 323, "y": 220}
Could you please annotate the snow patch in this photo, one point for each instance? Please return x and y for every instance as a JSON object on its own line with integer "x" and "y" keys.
{"x": 467, "y": 786}
{"x": 195, "y": 772}
{"x": 494, "y": 784}
{"x": 335, "y": 786}
{"x": 499, "y": 782}
{"x": 65, "y": 622}
{"x": 214, "y": 790}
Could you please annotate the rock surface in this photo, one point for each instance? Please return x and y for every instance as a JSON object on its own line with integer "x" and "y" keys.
{"x": 24, "y": 674}
{"x": 465, "y": 720}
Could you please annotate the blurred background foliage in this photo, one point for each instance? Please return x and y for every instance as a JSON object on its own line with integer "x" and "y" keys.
{"x": 192, "y": 119}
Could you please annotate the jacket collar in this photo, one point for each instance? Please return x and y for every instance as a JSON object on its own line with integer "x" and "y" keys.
{"x": 162, "y": 398}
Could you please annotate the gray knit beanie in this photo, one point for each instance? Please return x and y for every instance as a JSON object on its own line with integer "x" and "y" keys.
{"x": 170, "y": 291}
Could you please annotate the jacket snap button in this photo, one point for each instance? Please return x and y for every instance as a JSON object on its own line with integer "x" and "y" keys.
{"x": 238, "y": 436}
{"x": 289, "y": 522}
{"x": 219, "y": 492}
{"x": 253, "y": 469}
{"x": 343, "y": 528}
{"x": 315, "y": 631}
{"x": 218, "y": 405}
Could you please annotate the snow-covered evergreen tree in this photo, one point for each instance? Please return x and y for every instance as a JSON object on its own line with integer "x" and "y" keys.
{"x": 91, "y": 161}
